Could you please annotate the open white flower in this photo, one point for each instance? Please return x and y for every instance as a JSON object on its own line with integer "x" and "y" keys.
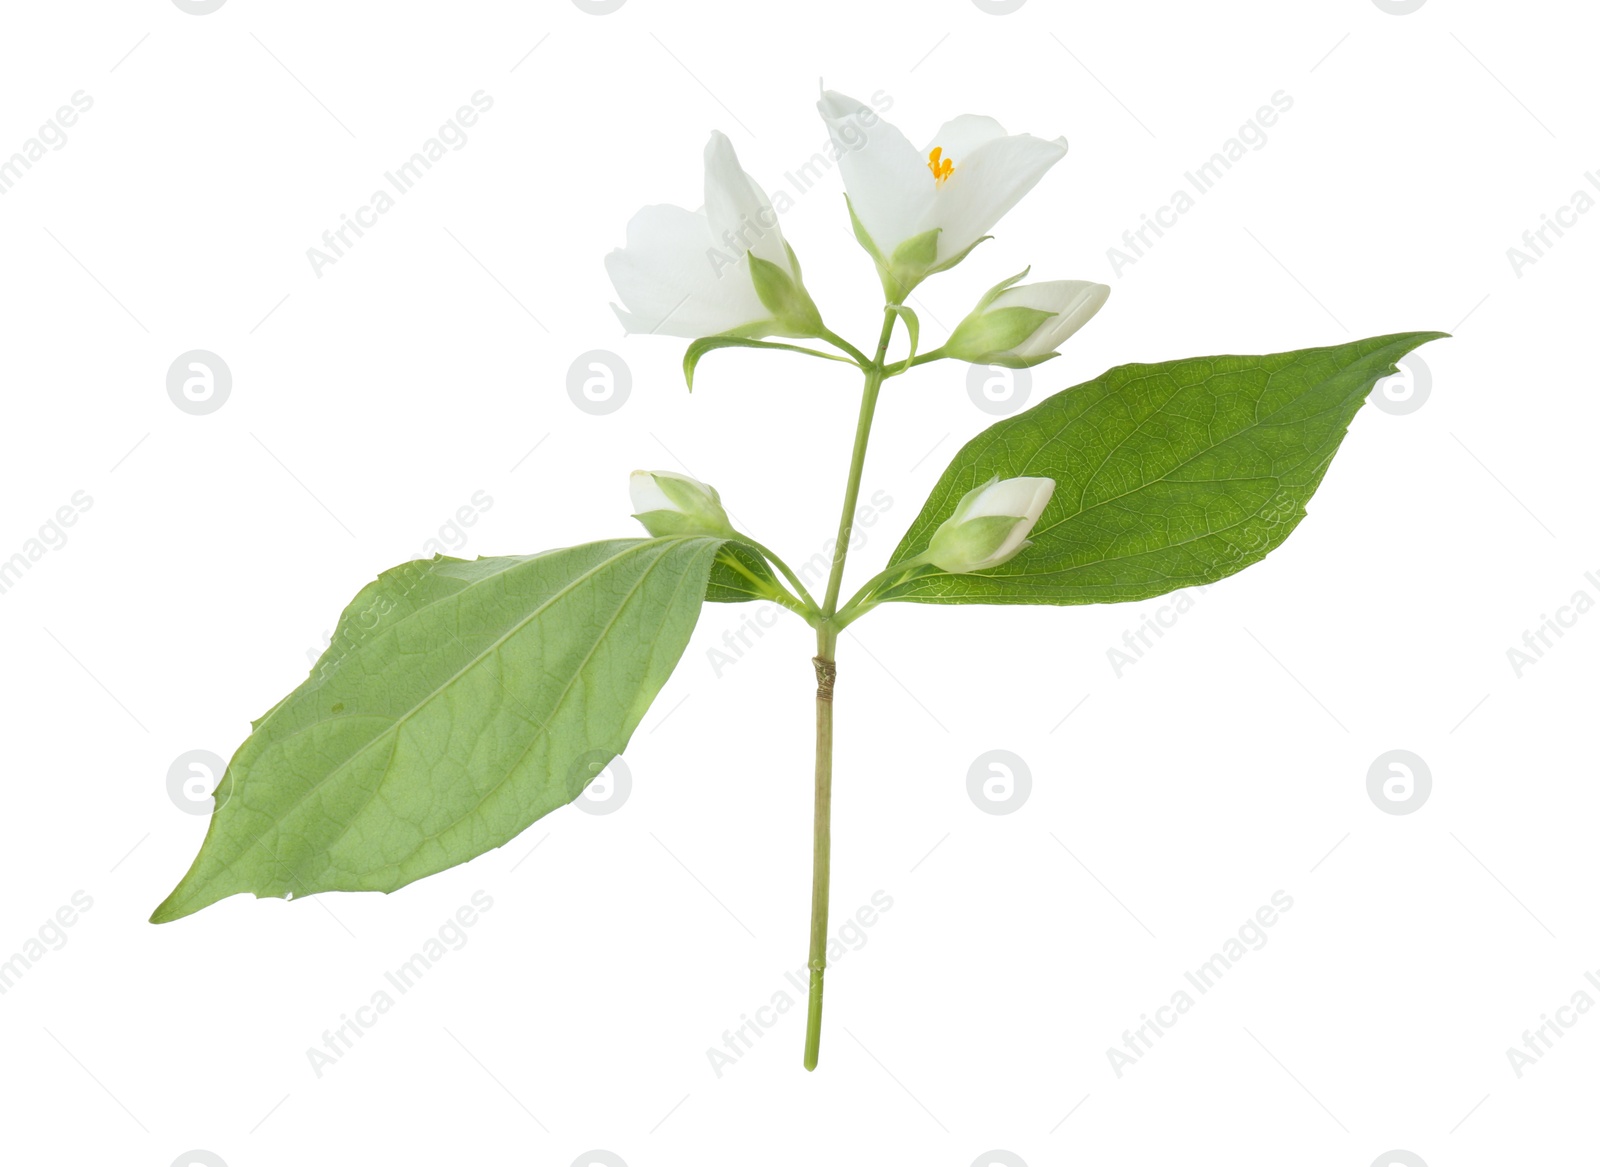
{"x": 990, "y": 524}
{"x": 1023, "y": 324}
{"x": 956, "y": 188}
{"x": 722, "y": 269}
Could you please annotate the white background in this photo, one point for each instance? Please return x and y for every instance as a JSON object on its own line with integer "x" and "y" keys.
{"x": 372, "y": 401}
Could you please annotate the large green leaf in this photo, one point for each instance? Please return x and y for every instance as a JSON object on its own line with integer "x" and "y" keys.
{"x": 1167, "y": 476}
{"x": 458, "y": 702}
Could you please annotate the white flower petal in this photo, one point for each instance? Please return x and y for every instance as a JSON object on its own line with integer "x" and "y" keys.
{"x": 668, "y": 282}
{"x": 960, "y": 136}
{"x": 645, "y": 495}
{"x": 886, "y": 177}
{"x": 1028, "y": 494}
{"x": 986, "y": 184}
{"x": 1019, "y": 498}
{"x": 740, "y": 216}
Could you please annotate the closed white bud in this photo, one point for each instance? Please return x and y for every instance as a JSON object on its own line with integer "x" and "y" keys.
{"x": 1025, "y": 324}
{"x": 675, "y": 504}
{"x": 990, "y": 524}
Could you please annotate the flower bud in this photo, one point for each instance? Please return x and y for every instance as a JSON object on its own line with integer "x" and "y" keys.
{"x": 675, "y": 504}
{"x": 990, "y": 524}
{"x": 1026, "y": 323}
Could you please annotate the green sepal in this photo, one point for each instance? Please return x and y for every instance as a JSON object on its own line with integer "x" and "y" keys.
{"x": 786, "y": 298}
{"x": 683, "y": 494}
{"x": 955, "y": 259}
{"x": 918, "y": 253}
{"x": 895, "y": 289}
{"x": 971, "y": 540}
{"x": 993, "y": 293}
{"x": 988, "y": 336}
{"x": 794, "y": 263}
{"x": 1011, "y": 362}
{"x": 675, "y": 524}
{"x": 866, "y": 241}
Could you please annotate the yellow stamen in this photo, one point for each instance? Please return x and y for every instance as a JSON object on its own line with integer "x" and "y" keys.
{"x": 940, "y": 165}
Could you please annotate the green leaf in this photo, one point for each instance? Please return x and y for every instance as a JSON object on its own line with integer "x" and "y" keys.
{"x": 457, "y": 702}
{"x": 1167, "y": 476}
{"x": 731, "y": 576}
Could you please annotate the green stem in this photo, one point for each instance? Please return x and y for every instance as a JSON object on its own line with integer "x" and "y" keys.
{"x": 844, "y": 346}
{"x": 827, "y": 641}
{"x": 899, "y": 367}
{"x": 821, "y": 843}
{"x": 858, "y": 458}
{"x": 858, "y": 605}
